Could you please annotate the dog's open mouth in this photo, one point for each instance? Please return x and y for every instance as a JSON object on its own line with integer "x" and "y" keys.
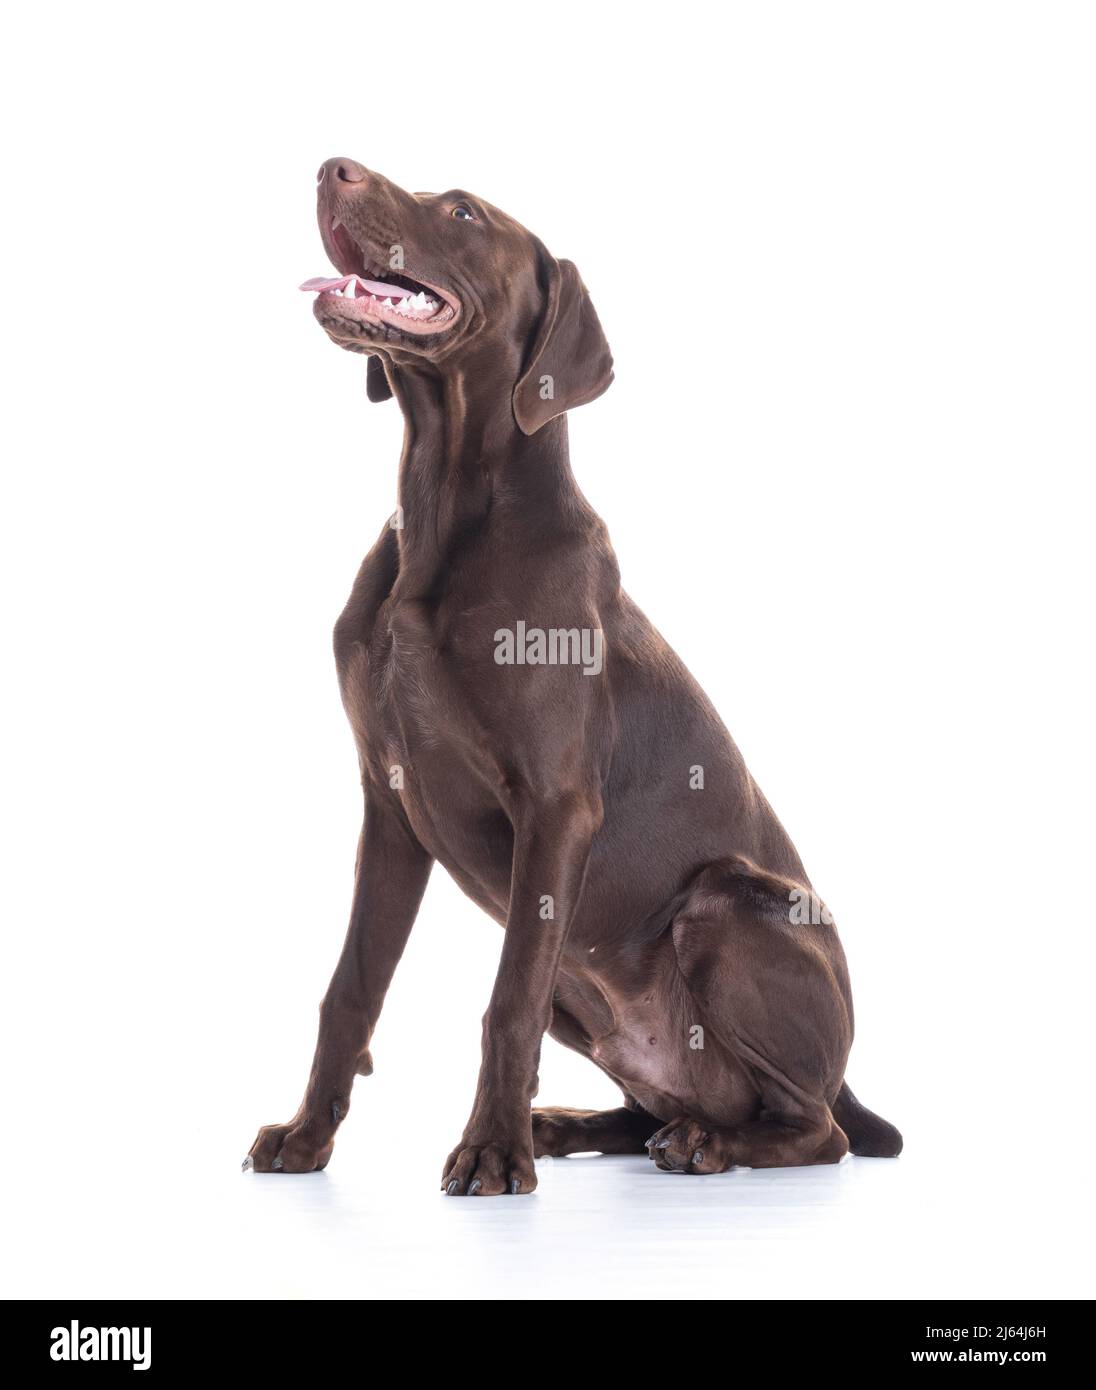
{"x": 371, "y": 294}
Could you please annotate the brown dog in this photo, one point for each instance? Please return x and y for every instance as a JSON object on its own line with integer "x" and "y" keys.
{"x": 519, "y": 720}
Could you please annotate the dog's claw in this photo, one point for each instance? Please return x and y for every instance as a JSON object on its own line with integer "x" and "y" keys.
{"x": 698, "y": 1157}
{"x": 334, "y": 1113}
{"x": 453, "y": 1186}
{"x": 248, "y": 1162}
{"x": 515, "y": 1186}
{"x": 663, "y": 1144}
{"x": 278, "y": 1163}
{"x": 650, "y": 1143}
{"x": 474, "y": 1186}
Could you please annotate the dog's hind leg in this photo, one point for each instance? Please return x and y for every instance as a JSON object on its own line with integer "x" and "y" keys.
{"x": 774, "y": 1141}
{"x": 761, "y": 961}
{"x": 558, "y": 1131}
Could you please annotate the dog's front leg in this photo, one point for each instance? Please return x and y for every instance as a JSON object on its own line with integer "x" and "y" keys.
{"x": 389, "y": 882}
{"x": 552, "y": 842}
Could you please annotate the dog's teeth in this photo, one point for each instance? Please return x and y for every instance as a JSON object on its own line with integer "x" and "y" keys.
{"x": 350, "y": 288}
{"x": 388, "y": 304}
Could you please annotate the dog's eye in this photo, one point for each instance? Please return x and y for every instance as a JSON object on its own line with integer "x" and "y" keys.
{"x": 463, "y": 213}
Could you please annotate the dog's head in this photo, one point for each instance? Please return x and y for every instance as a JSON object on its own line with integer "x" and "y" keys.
{"x": 429, "y": 277}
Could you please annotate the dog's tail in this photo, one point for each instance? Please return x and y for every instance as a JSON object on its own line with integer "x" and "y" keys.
{"x": 869, "y": 1136}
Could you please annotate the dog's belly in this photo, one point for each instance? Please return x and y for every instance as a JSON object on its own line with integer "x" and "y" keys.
{"x": 655, "y": 1044}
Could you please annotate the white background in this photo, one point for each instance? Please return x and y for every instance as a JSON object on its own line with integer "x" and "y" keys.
{"x": 844, "y": 257}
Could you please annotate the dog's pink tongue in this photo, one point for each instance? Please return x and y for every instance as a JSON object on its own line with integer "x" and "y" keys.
{"x": 340, "y": 282}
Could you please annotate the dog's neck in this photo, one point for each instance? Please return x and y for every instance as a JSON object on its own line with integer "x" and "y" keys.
{"x": 464, "y": 461}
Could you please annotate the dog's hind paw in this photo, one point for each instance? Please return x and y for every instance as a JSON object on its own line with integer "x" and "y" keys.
{"x": 683, "y": 1146}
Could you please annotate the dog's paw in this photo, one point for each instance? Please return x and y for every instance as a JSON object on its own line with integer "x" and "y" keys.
{"x": 683, "y": 1146}
{"x": 553, "y": 1132}
{"x": 298, "y": 1147}
{"x": 489, "y": 1170}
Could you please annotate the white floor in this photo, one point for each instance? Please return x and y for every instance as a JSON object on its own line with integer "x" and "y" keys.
{"x": 189, "y": 1224}
{"x": 127, "y": 1119}
{"x": 128, "y": 1116}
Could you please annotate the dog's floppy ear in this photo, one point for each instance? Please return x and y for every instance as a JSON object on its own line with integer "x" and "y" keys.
{"x": 570, "y": 362}
{"x": 376, "y": 380}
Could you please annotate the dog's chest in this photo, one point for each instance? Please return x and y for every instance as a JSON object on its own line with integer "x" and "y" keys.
{"x": 409, "y": 692}
{"x": 424, "y": 678}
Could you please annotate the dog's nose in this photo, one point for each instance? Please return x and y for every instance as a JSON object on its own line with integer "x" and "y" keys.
{"x": 341, "y": 170}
